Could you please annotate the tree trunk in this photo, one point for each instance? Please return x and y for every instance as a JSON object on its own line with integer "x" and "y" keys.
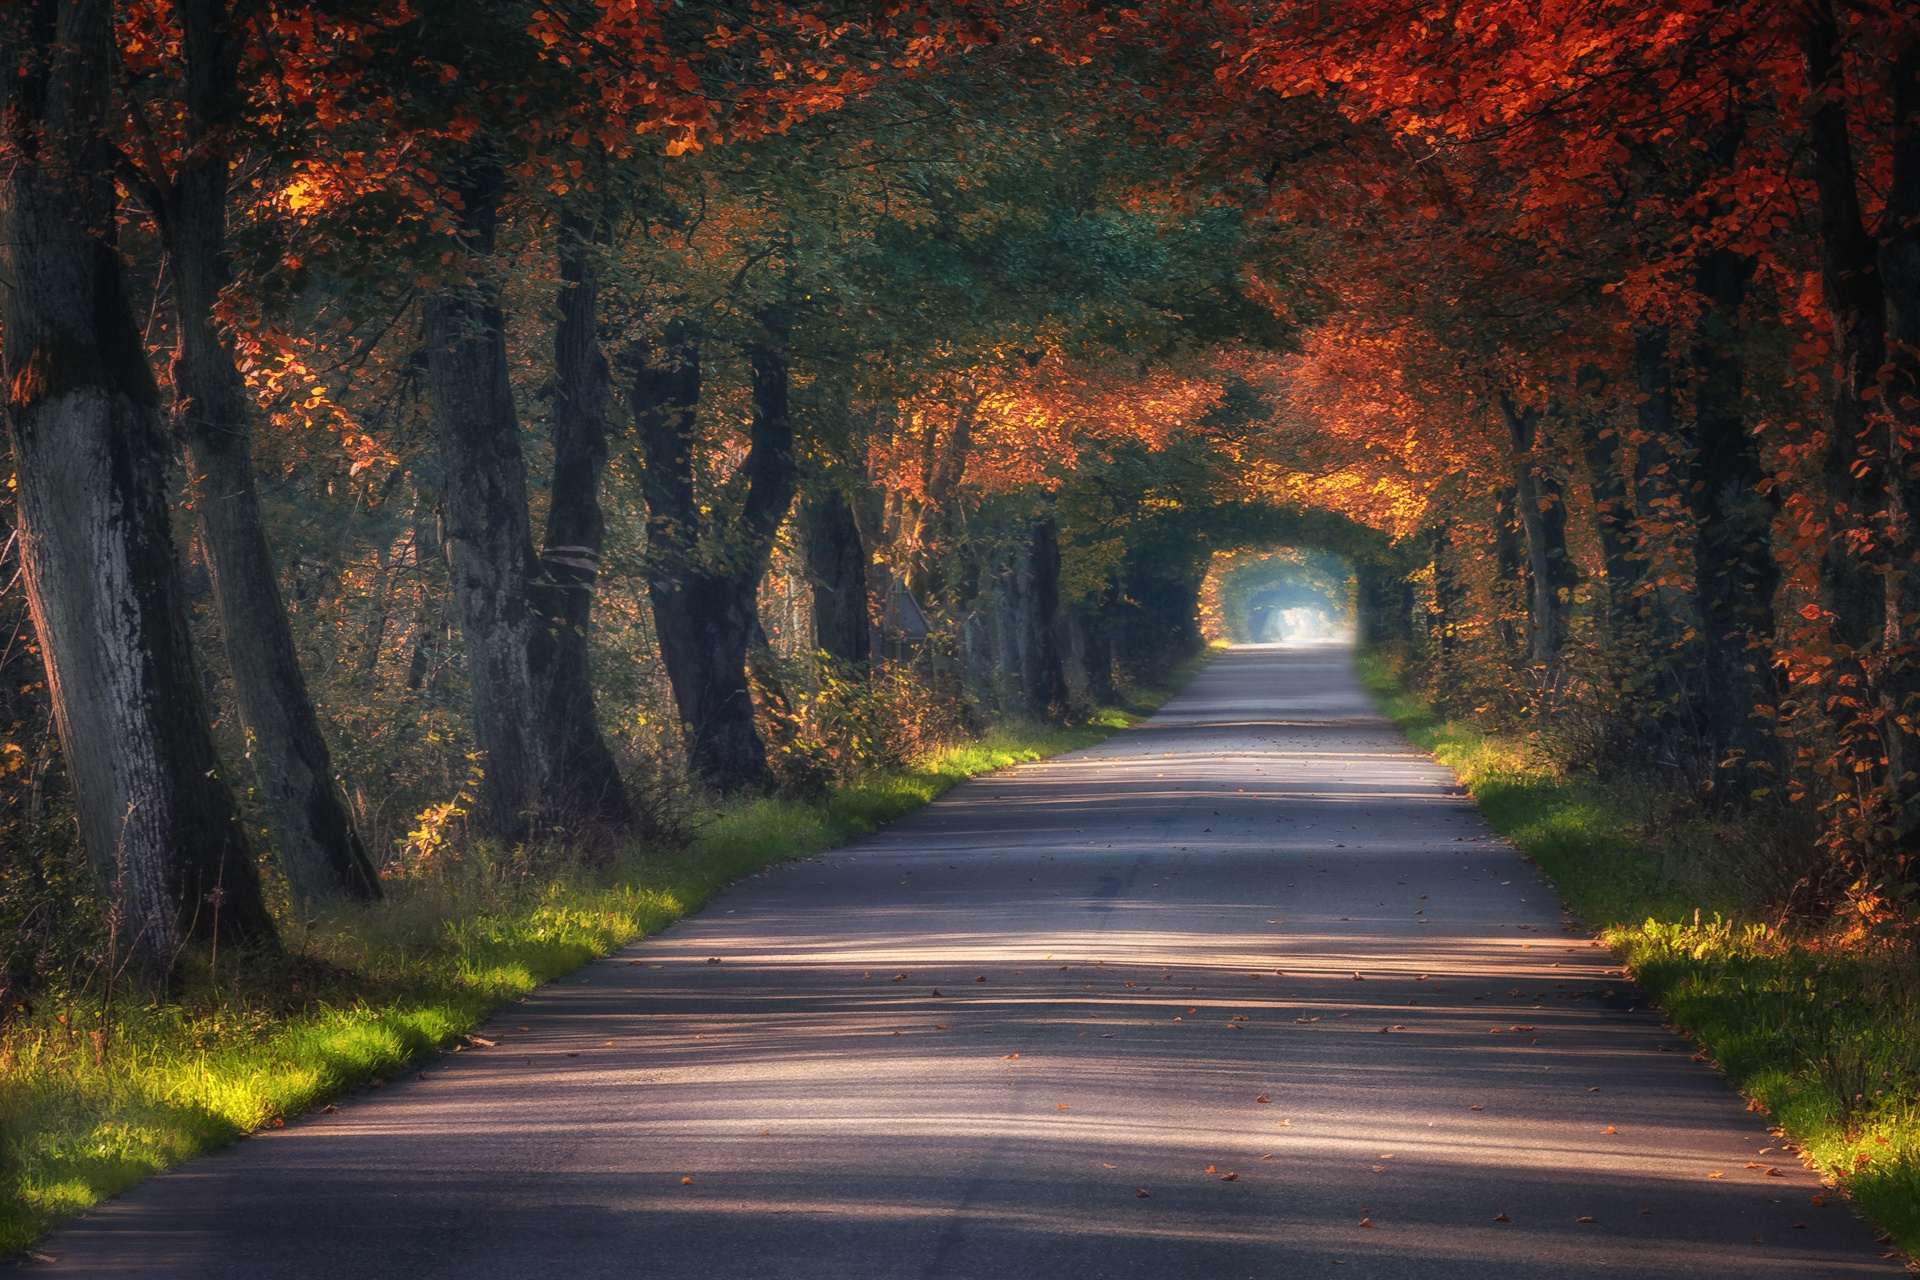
{"x": 704, "y": 598}
{"x": 1734, "y": 567}
{"x": 1510, "y": 574}
{"x": 1046, "y": 688}
{"x": 1852, "y": 577}
{"x": 582, "y": 788}
{"x": 837, "y": 568}
{"x": 1543, "y": 515}
{"x": 320, "y": 851}
{"x": 1899, "y": 260}
{"x": 90, "y": 457}
{"x": 1619, "y": 545}
{"x": 484, "y": 494}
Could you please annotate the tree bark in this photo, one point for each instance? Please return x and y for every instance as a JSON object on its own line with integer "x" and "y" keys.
{"x": 1735, "y": 572}
{"x": 320, "y": 851}
{"x": 704, "y": 597}
{"x": 837, "y": 567}
{"x": 90, "y": 457}
{"x": 1046, "y": 685}
{"x": 1853, "y": 577}
{"x": 488, "y": 538}
{"x": 1543, "y": 515}
{"x": 1899, "y": 261}
{"x": 1510, "y": 574}
{"x": 583, "y": 789}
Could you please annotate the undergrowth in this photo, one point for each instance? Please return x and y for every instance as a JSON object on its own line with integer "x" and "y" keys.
{"x": 1816, "y": 1022}
{"x": 96, "y": 1095}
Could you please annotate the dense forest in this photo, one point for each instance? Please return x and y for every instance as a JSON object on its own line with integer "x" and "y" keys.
{"x": 440, "y": 425}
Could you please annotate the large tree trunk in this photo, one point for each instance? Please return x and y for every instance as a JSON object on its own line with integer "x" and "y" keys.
{"x": 488, "y": 538}
{"x": 1509, "y": 571}
{"x": 1543, "y": 515}
{"x": 1852, "y": 577}
{"x": 320, "y": 851}
{"x": 704, "y": 597}
{"x": 837, "y": 568}
{"x": 1046, "y": 681}
{"x": 583, "y": 789}
{"x": 1734, "y": 567}
{"x": 1899, "y": 260}
{"x": 90, "y": 459}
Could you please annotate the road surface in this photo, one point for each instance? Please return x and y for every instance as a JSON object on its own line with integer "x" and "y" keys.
{"x": 1249, "y": 990}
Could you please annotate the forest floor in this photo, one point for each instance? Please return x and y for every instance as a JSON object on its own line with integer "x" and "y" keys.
{"x": 1250, "y": 989}
{"x": 96, "y": 1094}
{"x": 1817, "y": 1023}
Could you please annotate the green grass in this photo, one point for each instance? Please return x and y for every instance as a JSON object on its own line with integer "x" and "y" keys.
{"x": 1819, "y": 1026}
{"x": 94, "y": 1099}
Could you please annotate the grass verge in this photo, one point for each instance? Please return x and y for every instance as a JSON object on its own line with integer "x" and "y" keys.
{"x": 1820, "y": 1027}
{"x": 95, "y": 1096}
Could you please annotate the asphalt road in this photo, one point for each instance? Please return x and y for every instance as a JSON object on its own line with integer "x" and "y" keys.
{"x": 1249, "y": 990}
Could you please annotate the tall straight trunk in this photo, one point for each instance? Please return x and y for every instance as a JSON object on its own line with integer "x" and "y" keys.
{"x": 90, "y": 459}
{"x": 1899, "y": 262}
{"x": 1609, "y": 464}
{"x": 1543, "y": 515}
{"x": 582, "y": 787}
{"x": 704, "y": 584}
{"x": 1509, "y": 566}
{"x": 1735, "y": 572}
{"x": 319, "y": 850}
{"x": 1853, "y": 568}
{"x": 943, "y": 464}
{"x": 1046, "y": 684}
{"x": 837, "y": 567}
{"x": 488, "y": 537}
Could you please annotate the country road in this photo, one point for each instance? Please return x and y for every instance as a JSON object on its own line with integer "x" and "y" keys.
{"x": 1249, "y": 990}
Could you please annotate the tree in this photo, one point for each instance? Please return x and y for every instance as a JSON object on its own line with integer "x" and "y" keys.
{"x": 90, "y": 456}
{"x": 320, "y": 851}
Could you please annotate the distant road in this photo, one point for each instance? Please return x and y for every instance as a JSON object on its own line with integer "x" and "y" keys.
{"x": 1247, "y": 991}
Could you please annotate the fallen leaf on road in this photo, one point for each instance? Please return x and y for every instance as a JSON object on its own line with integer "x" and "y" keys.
{"x": 898, "y": 977}
{"x": 1012, "y": 1055}
{"x": 1501, "y": 1217}
{"x": 1141, "y": 1193}
{"x": 1211, "y": 1169}
{"x": 1774, "y": 1173}
{"x": 1476, "y": 1108}
{"x": 482, "y": 1041}
{"x": 1266, "y": 1157}
{"x": 981, "y": 978}
{"x": 1716, "y": 1174}
{"x": 1263, "y": 1098}
{"x": 1608, "y": 1129}
{"x": 686, "y": 1182}
{"x": 1584, "y": 1218}
{"x": 328, "y": 1110}
{"x": 711, "y": 960}
{"x": 936, "y": 991}
{"x": 1065, "y": 1106}
{"x": 1229, "y": 1177}
{"x": 1366, "y": 1222}
{"x": 1283, "y": 1124}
